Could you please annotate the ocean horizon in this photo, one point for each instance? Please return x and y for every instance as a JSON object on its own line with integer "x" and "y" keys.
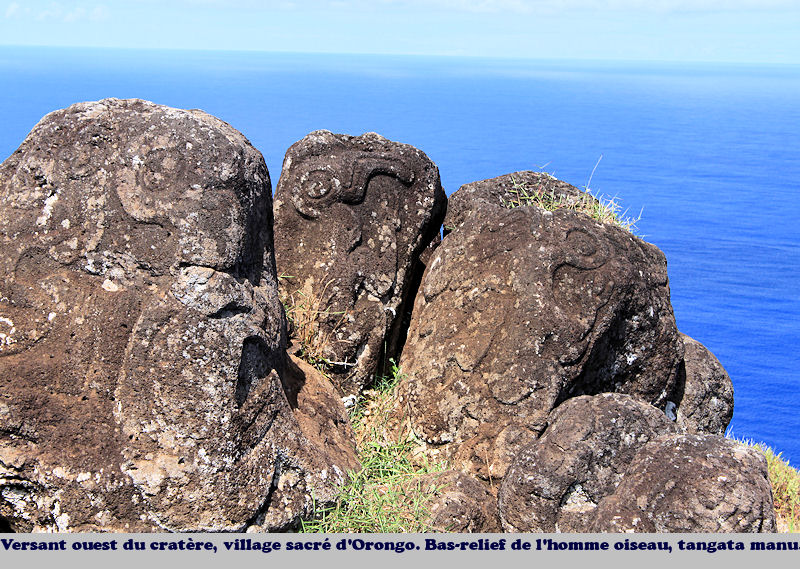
{"x": 707, "y": 156}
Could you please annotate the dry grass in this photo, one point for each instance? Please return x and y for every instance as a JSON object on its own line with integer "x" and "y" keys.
{"x": 785, "y": 482}
{"x": 304, "y": 309}
{"x": 785, "y": 490}
{"x": 602, "y": 209}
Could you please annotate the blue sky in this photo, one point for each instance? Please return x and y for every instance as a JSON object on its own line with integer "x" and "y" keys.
{"x": 762, "y": 31}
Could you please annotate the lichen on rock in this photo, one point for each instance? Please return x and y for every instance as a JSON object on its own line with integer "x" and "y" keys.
{"x": 522, "y": 309}
{"x": 149, "y": 383}
{"x": 141, "y": 385}
{"x": 352, "y": 217}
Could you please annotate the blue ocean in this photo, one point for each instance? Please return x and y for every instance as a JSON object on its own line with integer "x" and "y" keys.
{"x": 707, "y": 155}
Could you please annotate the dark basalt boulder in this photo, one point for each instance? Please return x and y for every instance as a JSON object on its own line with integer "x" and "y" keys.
{"x": 705, "y": 391}
{"x": 146, "y": 383}
{"x": 352, "y": 216}
{"x": 691, "y": 483}
{"x": 143, "y": 337}
{"x": 556, "y": 482}
{"x": 521, "y": 309}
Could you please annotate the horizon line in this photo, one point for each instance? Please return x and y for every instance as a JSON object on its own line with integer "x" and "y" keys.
{"x": 408, "y": 55}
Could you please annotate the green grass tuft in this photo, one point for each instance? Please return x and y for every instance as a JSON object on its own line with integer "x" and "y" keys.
{"x": 381, "y": 498}
{"x": 385, "y": 496}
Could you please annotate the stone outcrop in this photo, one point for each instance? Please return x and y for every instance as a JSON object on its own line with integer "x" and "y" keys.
{"x": 521, "y": 309}
{"x": 705, "y": 392}
{"x": 352, "y": 216}
{"x": 555, "y": 483}
{"x": 488, "y": 454}
{"x": 143, "y": 338}
{"x": 148, "y": 382}
{"x": 511, "y": 191}
{"x": 691, "y": 483}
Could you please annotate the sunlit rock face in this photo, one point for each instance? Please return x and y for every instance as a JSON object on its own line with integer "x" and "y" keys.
{"x": 142, "y": 338}
{"x": 353, "y": 214}
{"x": 522, "y": 308}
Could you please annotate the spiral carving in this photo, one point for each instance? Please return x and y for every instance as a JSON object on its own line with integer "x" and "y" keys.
{"x": 322, "y": 184}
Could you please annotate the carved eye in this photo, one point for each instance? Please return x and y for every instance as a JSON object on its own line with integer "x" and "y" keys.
{"x": 318, "y": 183}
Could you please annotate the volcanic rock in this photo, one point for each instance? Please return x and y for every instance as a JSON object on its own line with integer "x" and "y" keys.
{"x": 320, "y": 413}
{"x": 352, "y": 216}
{"x": 522, "y": 308}
{"x": 691, "y": 483}
{"x": 556, "y": 482}
{"x": 523, "y": 188}
{"x": 141, "y": 332}
{"x": 705, "y": 391}
{"x": 458, "y": 503}
{"x": 488, "y": 454}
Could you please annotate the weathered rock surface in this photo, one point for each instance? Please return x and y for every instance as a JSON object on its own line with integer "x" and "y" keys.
{"x": 458, "y": 503}
{"x": 141, "y": 331}
{"x": 521, "y": 309}
{"x": 146, "y": 384}
{"x": 556, "y": 482}
{"x": 509, "y": 190}
{"x": 321, "y": 414}
{"x": 352, "y": 216}
{"x": 488, "y": 454}
{"x": 691, "y": 483}
{"x": 705, "y": 391}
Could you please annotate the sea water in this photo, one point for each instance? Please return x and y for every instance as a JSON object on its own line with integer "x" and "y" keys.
{"x": 708, "y": 155}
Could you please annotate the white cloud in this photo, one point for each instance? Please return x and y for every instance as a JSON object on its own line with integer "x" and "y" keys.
{"x": 53, "y": 11}
{"x": 683, "y": 5}
{"x": 12, "y": 10}
{"x": 483, "y": 6}
{"x": 74, "y": 15}
{"x": 560, "y": 6}
{"x": 70, "y": 12}
{"x": 496, "y": 6}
